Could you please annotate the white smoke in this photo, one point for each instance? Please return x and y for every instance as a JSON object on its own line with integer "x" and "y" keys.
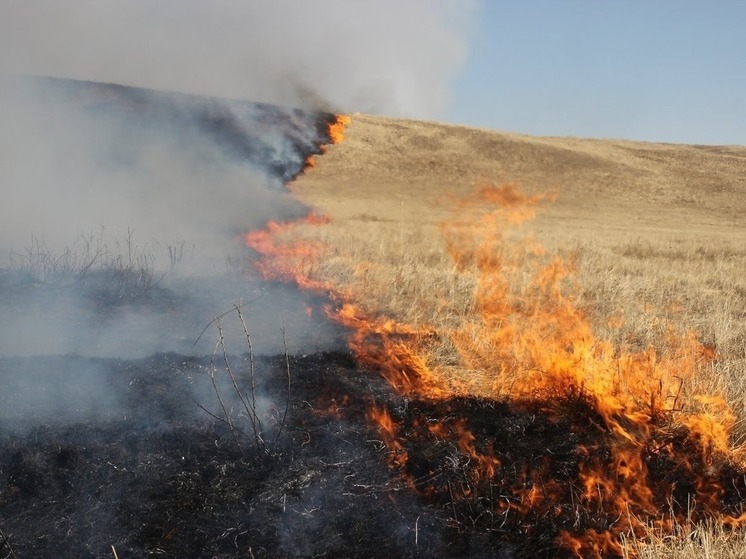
{"x": 387, "y": 56}
{"x": 174, "y": 172}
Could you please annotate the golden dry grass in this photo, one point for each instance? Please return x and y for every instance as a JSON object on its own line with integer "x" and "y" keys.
{"x": 708, "y": 541}
{"x": 656, "y": 232}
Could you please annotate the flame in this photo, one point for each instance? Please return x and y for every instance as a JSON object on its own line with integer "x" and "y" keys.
{"x": 335, "y": 132}
{"x": 526, "y": 342}
{"x": 540, "y": 346}
{"x": 388, "y": 429}
{"x": 337, "y": 128}
{"x": 283, "y": 260}
{"x": 389, "y": 348}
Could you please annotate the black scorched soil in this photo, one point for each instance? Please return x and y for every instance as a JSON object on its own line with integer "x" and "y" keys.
{"x": 158, "y": 471}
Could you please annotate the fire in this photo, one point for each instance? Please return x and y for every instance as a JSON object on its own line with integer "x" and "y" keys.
{"x": 645, "y": 450}
{"x": 283, "y": 260}
{"x": 388, "y": 347}
{"x": 337, "y": 128}
{"x": 388, "y": 429}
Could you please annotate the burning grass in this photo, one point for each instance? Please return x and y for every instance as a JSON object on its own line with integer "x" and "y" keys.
{"x": 538, "y": 402}
{"x": 482, "y": 311}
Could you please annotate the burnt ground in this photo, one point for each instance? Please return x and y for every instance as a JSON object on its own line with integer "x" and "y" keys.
{"x": 155, "y": 476}
{"x": 154, "y": 470}
{"x": 152, "y": 474}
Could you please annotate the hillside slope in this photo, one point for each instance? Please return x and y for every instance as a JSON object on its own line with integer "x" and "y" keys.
{"x": 394, "y": 166}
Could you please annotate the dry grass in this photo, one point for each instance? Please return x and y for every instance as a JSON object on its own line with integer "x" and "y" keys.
{"x": 708, "y": 541}
{"x": 699, "y": 286}
{"x": 655, "y": 232}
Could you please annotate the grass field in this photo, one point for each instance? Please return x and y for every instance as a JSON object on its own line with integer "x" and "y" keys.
{"x": 652, "y": 237}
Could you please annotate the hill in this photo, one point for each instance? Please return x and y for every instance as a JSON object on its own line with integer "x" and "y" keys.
{"x": 605, "y": 186}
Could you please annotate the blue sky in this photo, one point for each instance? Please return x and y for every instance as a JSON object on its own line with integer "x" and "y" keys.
{"x": 656, "y": 70}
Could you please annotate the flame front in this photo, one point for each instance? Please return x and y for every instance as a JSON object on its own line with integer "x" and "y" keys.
{"x": 283, "y": 261}
{"x": 645, "y": 450}
{"x": 337, "y": 128}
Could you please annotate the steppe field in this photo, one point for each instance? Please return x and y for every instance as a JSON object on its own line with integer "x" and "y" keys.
{"x": 651, "y": 236}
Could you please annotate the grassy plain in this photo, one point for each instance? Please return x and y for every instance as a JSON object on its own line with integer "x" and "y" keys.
{"x": 656, "y": 234}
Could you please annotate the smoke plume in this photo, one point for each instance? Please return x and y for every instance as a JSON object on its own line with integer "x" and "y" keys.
{"x": 148, "y": 181}
{"x": 346, "y": 55}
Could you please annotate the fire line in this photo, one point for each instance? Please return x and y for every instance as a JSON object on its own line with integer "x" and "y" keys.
{"x": 637, "y": 449}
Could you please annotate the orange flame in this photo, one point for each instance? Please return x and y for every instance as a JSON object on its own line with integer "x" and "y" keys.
{"x": 531, "y": 343}
{"x": 388, "y": 347}
{"x": 337, "y": 128}
{"x": 388, "y": 429}
{"x": 282, "y": 259}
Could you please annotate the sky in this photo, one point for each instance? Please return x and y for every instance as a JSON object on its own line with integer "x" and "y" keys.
{"x": 657, "y": 70}
{"x": 395, "y": 57}
{"x": 653, "y": 70}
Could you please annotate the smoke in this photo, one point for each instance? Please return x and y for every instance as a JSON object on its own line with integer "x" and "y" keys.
{"x": 122, "y": 208}
{"x": 346, "y": 55}
{"x": 119, "y": 206}
{"x": 147, "y": 183}
{"x": 69, "y": 171}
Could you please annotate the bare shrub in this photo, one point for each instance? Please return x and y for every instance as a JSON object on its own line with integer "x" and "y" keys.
{"x": 239, "y": 406}
{"x": 117, "y": 269}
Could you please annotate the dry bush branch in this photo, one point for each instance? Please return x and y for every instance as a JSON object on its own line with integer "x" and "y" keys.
{"x": 247, "y": 397}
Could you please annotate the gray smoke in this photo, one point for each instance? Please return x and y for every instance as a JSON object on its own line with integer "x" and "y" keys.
{"x": 71, "y": 169}
{"x": 386, "y": 56}
{"x": 121, "y": 207}
{"x": 160, "y": 187}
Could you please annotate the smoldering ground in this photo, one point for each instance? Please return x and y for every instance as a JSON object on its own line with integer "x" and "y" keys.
{"x": 121, "y": 224}
{"x": 151, "y": 479}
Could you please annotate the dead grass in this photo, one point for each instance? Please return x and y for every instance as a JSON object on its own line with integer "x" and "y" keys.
{"x": 694, "y": 285}
{"x": 708, "y": 541}
{"x": 655, "y": 232}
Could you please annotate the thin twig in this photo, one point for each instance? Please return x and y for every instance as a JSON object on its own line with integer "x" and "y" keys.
{"x": 218, "y": 418}
{"x": 453, "y": 506}
{"x": 5, "y": 542}
{"x": 287, "y": 395}
{"x": 255, "y": 421}
{"x": 221, "y": 342}
{"x": 248, "y": 408}
{"x": 261, "y": 294}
